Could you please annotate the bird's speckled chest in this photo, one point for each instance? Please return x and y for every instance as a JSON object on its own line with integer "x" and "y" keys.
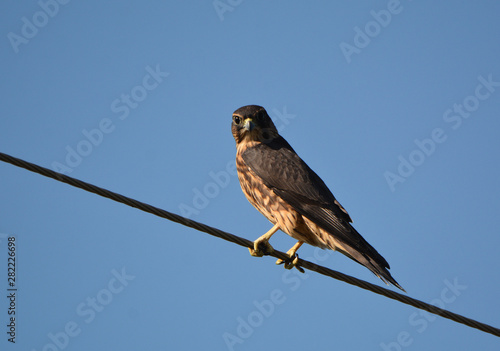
{"x": 258, "y": 194}
{"x": 268, "y": 203}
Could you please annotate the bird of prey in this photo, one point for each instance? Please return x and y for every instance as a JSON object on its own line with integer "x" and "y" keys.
{"x": 292, "y": 196}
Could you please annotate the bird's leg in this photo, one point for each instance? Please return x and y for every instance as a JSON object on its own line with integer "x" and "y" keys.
{"x": 294, "y": 258}
{"x": 261, "y": 246}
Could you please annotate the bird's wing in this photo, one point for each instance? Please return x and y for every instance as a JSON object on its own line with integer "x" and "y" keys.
{"x": 283, "y": 171}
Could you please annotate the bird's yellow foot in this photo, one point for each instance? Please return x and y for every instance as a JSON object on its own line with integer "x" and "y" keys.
{"x": 261, "y": 247}
{"x": 294, "y": 258}
{"x": 291, "y": 262}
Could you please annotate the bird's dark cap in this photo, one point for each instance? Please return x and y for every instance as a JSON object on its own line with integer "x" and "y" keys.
{"x": 249, "y": 110}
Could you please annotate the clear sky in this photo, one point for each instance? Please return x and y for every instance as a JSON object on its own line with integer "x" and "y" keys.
{"x": 394, "y": 104}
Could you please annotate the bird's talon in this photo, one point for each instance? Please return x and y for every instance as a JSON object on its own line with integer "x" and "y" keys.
{"x": 255, "y": 253}
{"x": 263, "y": 247}
{"x": 260, "y": 248}
{"x": 291, "y": 262}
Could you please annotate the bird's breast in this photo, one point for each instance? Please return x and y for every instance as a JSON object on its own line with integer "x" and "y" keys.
{"x": 273, "y": 207}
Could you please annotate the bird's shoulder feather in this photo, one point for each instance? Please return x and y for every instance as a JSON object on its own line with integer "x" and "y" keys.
{"x": 281, "y": 169}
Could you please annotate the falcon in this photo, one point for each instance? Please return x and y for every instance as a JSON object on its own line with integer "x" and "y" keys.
{"x": 293, "y": 197}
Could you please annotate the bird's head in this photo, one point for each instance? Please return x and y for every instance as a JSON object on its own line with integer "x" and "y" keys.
{"x": 252, "y": 123}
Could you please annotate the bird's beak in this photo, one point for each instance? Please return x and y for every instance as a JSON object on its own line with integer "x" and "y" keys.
{"x": 249, "y": 125}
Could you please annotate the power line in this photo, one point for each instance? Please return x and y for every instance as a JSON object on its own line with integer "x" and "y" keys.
{"x": 247, "y": 243}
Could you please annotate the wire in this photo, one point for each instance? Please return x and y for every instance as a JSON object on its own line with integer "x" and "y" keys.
{"x": 247, "y": 243}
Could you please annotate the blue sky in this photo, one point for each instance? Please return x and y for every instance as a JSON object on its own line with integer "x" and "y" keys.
{"x": 394, "y": 104}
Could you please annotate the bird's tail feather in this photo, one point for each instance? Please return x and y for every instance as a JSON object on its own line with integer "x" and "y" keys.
{"x": 366, "y": 255}
{"x": 358, "y": 249}
{"x": 379, "y": 270}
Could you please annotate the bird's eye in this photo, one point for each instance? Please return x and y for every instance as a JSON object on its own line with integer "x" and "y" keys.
{"x": 237, "y": 120}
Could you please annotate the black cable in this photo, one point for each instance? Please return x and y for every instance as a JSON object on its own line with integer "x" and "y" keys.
{"x": 247, "y": 243}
